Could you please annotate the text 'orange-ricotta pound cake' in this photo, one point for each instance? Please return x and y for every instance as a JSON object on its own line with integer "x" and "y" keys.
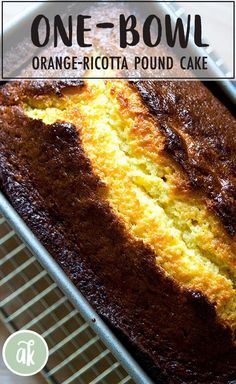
{"x": 132, "y": 189}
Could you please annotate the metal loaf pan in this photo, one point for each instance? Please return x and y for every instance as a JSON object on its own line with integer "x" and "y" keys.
{"x": 73, "y": 294}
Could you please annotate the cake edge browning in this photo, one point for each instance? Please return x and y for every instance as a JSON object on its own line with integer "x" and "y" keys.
{"x": 12, "y": 92}
{"x": 176, "y": 328}
{"x": 210, "y": 133}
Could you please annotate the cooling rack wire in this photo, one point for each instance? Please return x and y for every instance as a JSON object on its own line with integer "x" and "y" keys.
{"x": 30, "y": 299}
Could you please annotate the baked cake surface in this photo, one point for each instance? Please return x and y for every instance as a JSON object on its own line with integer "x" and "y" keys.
{"x": 131, "y": 188}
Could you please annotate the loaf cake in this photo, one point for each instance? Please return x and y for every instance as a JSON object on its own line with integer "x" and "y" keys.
{"x": 131, "y": 186}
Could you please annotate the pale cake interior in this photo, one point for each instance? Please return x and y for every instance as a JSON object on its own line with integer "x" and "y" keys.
{"x": 145, "y": 188}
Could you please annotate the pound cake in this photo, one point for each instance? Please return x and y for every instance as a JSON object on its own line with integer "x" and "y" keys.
{"x": 132, "y": 189}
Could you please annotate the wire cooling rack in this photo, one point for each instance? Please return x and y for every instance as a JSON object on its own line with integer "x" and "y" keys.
{"x": 30, "y": 299}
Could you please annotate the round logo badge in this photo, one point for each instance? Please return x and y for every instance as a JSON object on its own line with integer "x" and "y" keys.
{"x": 25, "y": 353}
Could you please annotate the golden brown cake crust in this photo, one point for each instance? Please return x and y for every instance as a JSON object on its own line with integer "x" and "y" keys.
{"x": 201, "y": 136}
{"x": 12, "y": 92}
{"x": 174, "y": 333}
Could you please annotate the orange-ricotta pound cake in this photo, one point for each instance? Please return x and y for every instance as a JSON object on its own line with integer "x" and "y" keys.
{"x": 132, "y": 189}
